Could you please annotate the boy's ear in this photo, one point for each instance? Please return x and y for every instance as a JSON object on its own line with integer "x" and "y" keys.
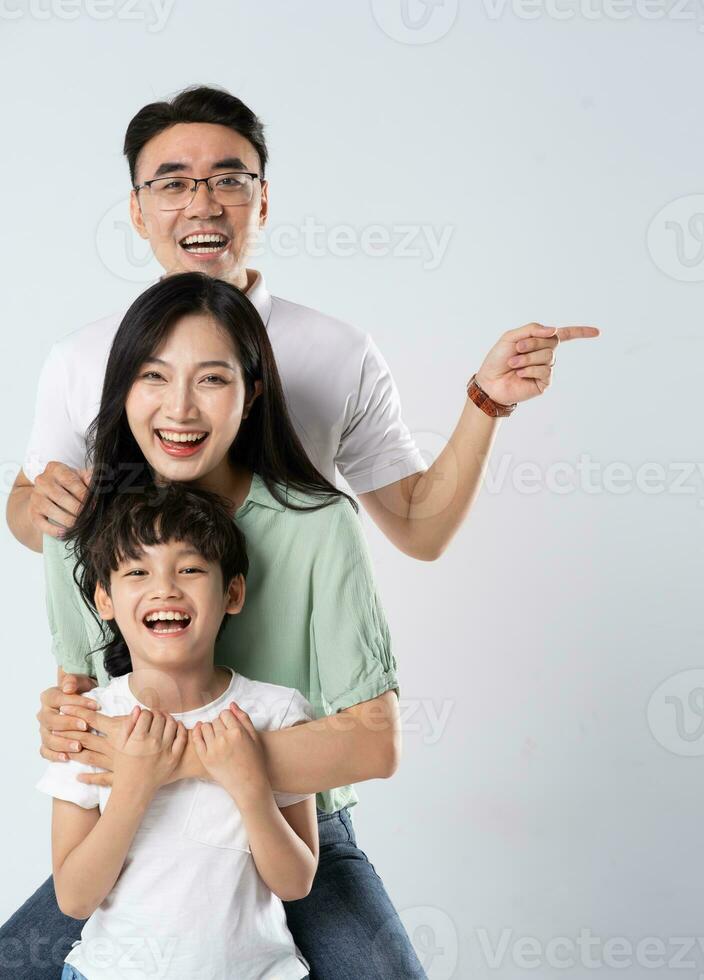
{"x": 103, "y": 603}
{"x": 235, "y": 595}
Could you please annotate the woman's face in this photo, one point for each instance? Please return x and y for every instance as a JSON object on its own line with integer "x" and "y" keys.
{"x": 187, "y": 402}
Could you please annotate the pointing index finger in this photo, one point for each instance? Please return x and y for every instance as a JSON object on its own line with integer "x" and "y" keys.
{"x": 575, "y": 333}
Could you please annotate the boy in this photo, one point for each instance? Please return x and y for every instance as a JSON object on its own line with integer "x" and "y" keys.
{"x": 180, "y": 878}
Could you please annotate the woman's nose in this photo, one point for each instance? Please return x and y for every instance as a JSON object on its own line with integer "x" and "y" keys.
{"x": 179, "y": 403}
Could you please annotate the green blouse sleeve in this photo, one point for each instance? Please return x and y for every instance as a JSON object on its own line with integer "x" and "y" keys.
{"x": 74, "y": 635}
{"x": 349, "y": 634}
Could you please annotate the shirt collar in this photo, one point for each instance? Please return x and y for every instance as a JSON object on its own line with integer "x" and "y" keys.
{"x": 257, "y": 293}
{"x": 258, "y": 494}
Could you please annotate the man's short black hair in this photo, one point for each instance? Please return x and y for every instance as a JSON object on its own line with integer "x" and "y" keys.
{"x": 196, "y": 104}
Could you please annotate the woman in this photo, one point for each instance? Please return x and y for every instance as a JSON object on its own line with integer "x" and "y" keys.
{"x": 192, "y": 394}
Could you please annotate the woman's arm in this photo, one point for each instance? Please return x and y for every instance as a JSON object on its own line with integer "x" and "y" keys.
{"x": 89, "y": 850}
{"x": 359, "y": 743}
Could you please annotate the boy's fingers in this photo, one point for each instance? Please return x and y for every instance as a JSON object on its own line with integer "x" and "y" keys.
{"x": 243, "y": 718}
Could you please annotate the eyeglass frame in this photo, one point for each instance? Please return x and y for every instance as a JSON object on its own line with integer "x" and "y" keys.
{"x": 201, "y": 180}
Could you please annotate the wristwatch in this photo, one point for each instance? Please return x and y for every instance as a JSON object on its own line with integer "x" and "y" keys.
{"x": 479, "y": 397}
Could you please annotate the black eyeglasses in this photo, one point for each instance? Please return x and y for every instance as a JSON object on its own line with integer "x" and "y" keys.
{"x": 175, "y": 193}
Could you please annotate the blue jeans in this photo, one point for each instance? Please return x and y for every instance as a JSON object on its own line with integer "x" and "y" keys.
{"x": 346, "y": 927}
{"x": 71, "y": 973}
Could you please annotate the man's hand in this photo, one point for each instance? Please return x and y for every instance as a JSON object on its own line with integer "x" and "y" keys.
{"x": 61, "y": 733}
{"x": 230, "y": 750}
{"x": 519, "y": 366}
{"x": 58, "y": 494}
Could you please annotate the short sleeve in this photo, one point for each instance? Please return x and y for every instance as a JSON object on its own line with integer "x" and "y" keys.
{"x": 349, "y": 633}
{"x": 299, "y": 710}
{"x": 72, "y": 639}
{"x": 376, "y": 447}
{"x": 53, "y": 436}
{"x": 59, "y": 780}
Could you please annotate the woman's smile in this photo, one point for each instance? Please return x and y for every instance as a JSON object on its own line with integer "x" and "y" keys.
{"x": 181, "y": 442}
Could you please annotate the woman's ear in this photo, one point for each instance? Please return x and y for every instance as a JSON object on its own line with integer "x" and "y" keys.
{"x": 235, "y": 595}
{"x": 248, "y": 405}
{"x": 103, "y": 603}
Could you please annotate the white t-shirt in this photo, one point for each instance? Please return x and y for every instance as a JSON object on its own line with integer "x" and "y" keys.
{"x": 342, "y": 399}
{"x": 189, "y": 902}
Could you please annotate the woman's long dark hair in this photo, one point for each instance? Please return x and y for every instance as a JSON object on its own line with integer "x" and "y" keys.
{"x": 266, "y": 442}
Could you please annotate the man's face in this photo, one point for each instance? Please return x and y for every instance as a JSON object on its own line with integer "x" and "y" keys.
{"x": 199, "y": 150}
{"x": 169, "y": 604}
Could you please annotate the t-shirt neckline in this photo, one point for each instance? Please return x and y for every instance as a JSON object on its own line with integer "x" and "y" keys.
{"x": 226, "y": 696}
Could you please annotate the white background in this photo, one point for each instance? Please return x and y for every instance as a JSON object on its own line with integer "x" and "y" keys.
{"x": 548, "y": 138}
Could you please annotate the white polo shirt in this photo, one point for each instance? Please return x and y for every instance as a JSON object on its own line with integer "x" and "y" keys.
{"x": 189, "y": 902}
{"x": 341, "y": 396}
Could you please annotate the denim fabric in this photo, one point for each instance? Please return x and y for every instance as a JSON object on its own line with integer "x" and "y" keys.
{"x": 71, "y": 973}
{"x": 346, "y": 927}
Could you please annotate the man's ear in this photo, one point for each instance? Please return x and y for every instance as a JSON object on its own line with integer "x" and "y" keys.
{"x": 136, "y": 215}
{"x": 264, "y": 206}
{"x": 103, "y": 603}
{"x": 235, "y": 595}
{"x": 248, "y": 405}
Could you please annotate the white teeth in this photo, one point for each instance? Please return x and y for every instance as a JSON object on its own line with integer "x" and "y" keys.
{"x": 166, "y": 614}
{"x": 181, "y": 436}
{"x": 199, "y": 239}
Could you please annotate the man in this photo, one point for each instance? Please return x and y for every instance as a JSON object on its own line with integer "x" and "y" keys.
{"x": 200, "y": 195}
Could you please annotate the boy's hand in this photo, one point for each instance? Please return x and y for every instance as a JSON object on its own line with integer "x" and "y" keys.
{"x": 149, "y": 748}
{"x": 230, "y": 750}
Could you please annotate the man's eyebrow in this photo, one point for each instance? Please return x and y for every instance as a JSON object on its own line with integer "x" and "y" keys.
{"x": 201, "y": 364}
{"x": 173, "y": 166}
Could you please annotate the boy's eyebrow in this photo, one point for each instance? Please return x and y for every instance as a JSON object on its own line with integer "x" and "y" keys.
{"x": 201, "y": 364}
{"x": 140, "y": 554}
{"x": 173, "y": 166}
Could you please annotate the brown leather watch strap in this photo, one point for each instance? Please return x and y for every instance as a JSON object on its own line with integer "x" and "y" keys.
{"x": 479, "y": 397}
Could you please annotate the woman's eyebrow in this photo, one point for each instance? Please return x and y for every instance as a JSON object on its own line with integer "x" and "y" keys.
{"x": 201, "y": 364}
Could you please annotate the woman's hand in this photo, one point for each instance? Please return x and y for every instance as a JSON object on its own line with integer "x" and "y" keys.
{"x": 230, "y": 750}
{"x": 60, "y": 732}
{"x": 520, "y": 365}
{"x": 149, "y": 747}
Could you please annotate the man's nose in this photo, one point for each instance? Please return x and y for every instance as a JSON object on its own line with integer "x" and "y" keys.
{"x": 203, "y": 204}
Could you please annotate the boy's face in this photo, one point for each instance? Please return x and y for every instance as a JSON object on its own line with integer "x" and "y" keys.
{"x": 199, "y": 150}
{"x": 172, "y": 580}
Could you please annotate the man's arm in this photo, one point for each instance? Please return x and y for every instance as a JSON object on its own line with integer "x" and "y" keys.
{"x": 57, "y": 494}
{"x": 421, "y": 513}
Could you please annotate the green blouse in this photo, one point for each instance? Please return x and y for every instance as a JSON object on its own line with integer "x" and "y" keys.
{"x": 311, "y": 618}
